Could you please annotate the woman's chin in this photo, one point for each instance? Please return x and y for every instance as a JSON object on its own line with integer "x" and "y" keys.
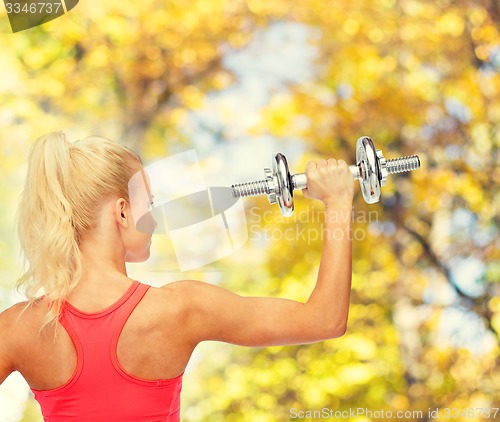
{"x": 142, "y": 258}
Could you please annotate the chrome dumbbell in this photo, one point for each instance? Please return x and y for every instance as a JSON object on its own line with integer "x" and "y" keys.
{"x": 371, "y": 170}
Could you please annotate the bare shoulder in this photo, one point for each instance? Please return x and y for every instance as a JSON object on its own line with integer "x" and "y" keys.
{"x": 19, "y": 317}
{"x": 11, "y": 326}
{"x": 179, "y": 292}
{"x": 12, "y": 314}
{"x": 186, "y": 294}
{"x": 169, "y": 300}
{"x": 188, "y": 291}
{"x": 183, "y": 286}
{"x": 6, "y": 345}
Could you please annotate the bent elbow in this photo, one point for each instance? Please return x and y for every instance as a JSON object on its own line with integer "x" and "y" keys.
{"x": 340, "y": 331}
{"x": 328, "y": 325}
{"x": 336, "y": 330}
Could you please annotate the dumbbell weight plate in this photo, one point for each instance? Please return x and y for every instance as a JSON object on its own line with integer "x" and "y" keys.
{"x": 284, "y": 192}
{"x": 370, "y": 175}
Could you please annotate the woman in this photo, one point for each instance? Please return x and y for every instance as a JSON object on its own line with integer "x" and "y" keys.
{"x": 95, "y": 345}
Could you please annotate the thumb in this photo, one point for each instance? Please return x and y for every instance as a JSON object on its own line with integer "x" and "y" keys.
{"x": 305, "y": 192}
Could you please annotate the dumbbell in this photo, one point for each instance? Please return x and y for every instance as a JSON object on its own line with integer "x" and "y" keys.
{"x": 371, "y": 170}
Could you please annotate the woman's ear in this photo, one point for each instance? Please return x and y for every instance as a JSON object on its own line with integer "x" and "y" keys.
{"x": 121, "y": 212}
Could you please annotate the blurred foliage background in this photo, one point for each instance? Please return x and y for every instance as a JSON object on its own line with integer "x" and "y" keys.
{"x": 418, "y": 76}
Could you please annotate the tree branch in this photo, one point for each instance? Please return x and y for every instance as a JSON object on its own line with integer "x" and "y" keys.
{"x": 478, "y": 304}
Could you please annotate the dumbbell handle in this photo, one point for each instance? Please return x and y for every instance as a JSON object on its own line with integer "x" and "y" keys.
{"x": 396, "y": 165}
{"x": 299, "y": 180}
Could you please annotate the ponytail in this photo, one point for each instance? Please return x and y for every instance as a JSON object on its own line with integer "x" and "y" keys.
{"x": 64, "y": 186}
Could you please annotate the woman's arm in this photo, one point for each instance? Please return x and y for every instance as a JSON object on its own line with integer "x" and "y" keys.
{"x": 213, "y": 313}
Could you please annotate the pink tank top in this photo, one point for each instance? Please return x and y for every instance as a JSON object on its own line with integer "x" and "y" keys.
{"x": 100, "y": 390}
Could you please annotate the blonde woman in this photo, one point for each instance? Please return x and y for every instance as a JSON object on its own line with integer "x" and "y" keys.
{"x": 95, "y": 345}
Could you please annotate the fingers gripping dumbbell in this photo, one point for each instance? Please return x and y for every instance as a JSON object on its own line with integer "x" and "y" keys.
{"x": 371, "y": 170}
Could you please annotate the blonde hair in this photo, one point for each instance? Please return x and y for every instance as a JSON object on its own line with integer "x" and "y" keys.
{"x": 65, "y": 186}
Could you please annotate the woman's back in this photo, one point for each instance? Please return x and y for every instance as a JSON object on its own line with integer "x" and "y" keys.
{"x": 150, "y": 346}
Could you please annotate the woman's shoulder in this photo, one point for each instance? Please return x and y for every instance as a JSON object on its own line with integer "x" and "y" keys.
{"x": 21, "y": 314}
{"x": 174, "y": 297}
{"x": 16, "y": 323}
{"x": 181, "y": 288}
{"x": 14, "y": 311}
{"x": 173, "y": 294}
{"x": 182, "y": 292}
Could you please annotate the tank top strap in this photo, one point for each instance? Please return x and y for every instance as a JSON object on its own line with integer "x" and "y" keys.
{"x": 123, "y": 311}
{"x": 125, "y": 304}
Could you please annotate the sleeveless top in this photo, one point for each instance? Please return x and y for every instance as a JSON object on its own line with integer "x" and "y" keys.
{"x": 100, "y": 390}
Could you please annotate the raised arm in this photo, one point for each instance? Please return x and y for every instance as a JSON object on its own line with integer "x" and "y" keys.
{"x": 213, "y": 313}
